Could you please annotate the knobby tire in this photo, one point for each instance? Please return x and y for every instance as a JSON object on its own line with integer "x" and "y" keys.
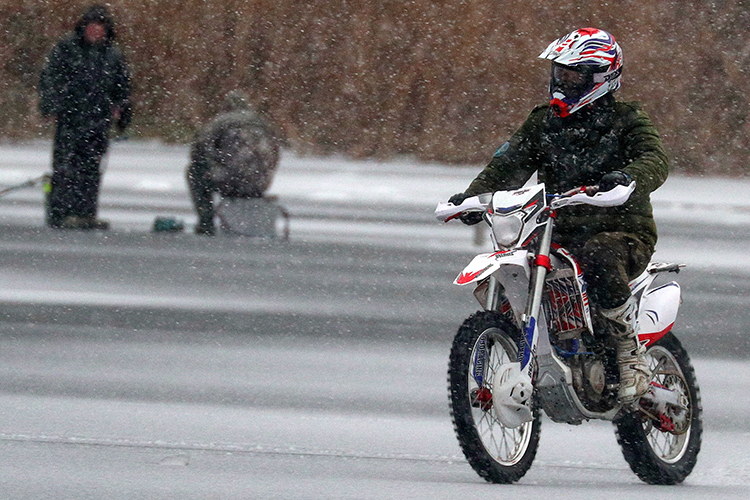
{"x": 482, "y": 437}
{"x": 661, "y": 457}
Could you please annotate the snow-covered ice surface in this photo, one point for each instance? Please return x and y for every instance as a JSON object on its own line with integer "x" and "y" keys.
{"x": 379, "y": 429}
{"x": 155, "y": 167}
{"x": 321, "y": 190}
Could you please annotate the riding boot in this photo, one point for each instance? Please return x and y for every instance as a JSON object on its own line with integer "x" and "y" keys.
{"x": 635, "y": 375}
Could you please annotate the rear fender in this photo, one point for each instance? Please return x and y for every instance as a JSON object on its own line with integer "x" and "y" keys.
{"x": 485, "y": 264}
{"x": 658, "y": 311}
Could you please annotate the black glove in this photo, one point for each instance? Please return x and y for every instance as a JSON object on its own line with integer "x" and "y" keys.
{"x": 471, "y": 218}
{"x": 458, "y": 198}
{"x": 613, "y": 179}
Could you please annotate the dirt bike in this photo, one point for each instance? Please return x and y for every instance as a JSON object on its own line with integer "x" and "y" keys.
{"x": 538, "y": 344}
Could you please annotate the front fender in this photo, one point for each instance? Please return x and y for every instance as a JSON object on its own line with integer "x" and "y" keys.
{"x": 485, "y": 264}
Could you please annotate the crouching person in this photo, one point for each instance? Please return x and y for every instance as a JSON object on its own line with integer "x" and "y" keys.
{"x": 235, "y": 157}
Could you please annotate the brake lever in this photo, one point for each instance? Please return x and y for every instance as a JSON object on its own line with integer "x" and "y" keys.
{"x": 589, "y": 190}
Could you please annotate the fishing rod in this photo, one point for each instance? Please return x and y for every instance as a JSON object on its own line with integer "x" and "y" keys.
{"x": 42, "y": 179}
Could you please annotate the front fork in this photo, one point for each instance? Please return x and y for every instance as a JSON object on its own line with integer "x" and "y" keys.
{"x": 540, "y": 266}
{"x": 511, "y": 388}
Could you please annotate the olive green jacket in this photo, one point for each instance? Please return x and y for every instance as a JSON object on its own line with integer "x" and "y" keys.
{"x": 577, "y": 151}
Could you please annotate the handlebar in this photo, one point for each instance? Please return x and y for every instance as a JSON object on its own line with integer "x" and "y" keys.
{"x": 584, "y": 195}
{"x": 612, "y": 198}
{"x": 448, "y": 211}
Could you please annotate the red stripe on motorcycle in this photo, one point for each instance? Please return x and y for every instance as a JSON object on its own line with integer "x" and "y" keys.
{"x": 543, "y": 260}
{"x": 469, "y": 277}
{"x": 650, "y": 338}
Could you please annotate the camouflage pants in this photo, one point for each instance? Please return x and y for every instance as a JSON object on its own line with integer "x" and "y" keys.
{"x": 609, "y": 262}
{"x": 202, "y": 189}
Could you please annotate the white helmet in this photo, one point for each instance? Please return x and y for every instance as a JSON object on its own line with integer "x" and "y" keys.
{"x": 586, "y": 64}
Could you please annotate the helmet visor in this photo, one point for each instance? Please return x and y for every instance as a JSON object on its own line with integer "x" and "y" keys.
{"x": 573, "y": 82}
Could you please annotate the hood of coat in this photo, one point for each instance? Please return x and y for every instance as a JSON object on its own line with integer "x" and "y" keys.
{"x": 96, "y": 13}
{"x": 236, "y": 100}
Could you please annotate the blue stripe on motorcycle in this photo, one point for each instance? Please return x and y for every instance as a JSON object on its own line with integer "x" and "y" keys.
{"x": 527, "y": 344}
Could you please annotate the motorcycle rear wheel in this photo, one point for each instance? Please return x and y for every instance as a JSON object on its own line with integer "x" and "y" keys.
{"x": 497, "y": 453}
{"x": 657, "y": 456}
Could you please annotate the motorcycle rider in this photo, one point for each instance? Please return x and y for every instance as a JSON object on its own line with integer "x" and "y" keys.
{"x": 584, "y": 137}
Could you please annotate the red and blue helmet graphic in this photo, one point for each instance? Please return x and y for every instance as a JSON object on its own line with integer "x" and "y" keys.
{"x": 597, "y": 59}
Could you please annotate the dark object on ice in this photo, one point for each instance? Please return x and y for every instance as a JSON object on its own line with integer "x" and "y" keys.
{"x": 168, "y": 225}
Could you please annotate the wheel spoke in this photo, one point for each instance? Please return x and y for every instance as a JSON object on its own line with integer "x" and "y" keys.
{"x": 504, "y": 444}
{"x": 668, "y": 446}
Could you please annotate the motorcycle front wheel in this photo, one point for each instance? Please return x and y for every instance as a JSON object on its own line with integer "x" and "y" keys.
{"x": 497, "y": 453}
{"x": 659, "y": 453}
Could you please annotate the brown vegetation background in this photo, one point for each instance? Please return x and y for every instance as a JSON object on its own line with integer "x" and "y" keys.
{"x": 439, "y": 80}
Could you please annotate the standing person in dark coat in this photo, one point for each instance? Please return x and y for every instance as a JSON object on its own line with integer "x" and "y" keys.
{"x": 85, "y": 86}
{"x": 235, "y": 155}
